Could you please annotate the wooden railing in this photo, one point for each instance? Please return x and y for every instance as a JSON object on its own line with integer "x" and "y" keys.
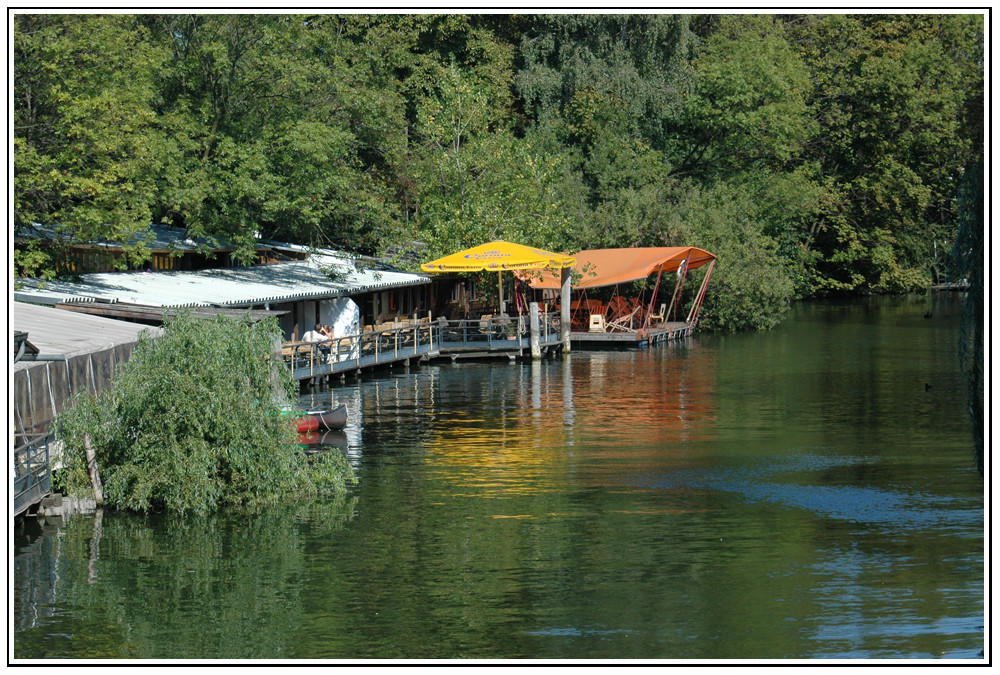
{"x": 376, "y": 345}
{"x": 496, "y": 333}
{"x": 392, "y": 342}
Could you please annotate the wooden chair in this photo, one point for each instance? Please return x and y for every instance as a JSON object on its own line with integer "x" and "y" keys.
{"x": 623, "y": 322}
{"x": 660, "y": 316}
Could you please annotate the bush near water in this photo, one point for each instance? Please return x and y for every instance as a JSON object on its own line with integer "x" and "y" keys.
{"x": 193, "y": 422}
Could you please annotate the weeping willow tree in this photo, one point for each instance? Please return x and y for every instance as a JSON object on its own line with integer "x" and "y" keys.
{"x": 968, "y": 255}
{"x": 192, "y": 423}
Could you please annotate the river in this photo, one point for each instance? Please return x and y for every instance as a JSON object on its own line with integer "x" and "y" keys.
{"x": 806, "y": 493}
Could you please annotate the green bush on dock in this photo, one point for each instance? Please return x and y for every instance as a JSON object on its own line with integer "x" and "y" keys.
{"x": 193, "y": 422}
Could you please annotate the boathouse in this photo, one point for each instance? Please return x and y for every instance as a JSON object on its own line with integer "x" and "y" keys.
{"x": 300, "y": 293}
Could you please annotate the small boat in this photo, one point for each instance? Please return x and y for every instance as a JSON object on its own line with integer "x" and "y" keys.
{"x": 322, "y": 420}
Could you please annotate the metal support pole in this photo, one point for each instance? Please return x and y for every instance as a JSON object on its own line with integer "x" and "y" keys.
{"x": 536, "y": 346}
{"x": 652, "y": 300}
{"x": 696, "y": 308}
{"x": 565, "y": 277}
{"x": 682, "y": 277}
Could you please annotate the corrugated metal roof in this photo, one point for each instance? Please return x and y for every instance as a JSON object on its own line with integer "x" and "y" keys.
{"x": 55, "y": 331}
{"x": 231, "y": 286}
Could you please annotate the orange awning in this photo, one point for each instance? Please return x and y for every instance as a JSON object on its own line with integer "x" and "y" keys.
{"x": 611, "y": 266}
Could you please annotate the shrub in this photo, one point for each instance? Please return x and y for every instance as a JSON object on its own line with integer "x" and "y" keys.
{"x": 193, "y": 422}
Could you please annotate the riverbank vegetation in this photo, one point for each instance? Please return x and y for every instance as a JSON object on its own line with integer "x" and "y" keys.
{"x": 815, "y": 154}
{"x": 193, "y": 422}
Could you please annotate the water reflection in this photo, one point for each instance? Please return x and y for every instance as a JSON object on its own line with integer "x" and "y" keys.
{"x": 787, "y": 495}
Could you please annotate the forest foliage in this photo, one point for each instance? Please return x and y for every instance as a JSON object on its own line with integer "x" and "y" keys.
{"x": 814, "y": 154}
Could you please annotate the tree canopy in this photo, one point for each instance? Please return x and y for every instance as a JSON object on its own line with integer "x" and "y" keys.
{"x": 817, "y": 154}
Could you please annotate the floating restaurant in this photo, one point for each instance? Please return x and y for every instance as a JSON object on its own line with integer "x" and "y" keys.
{"x": 384, "y": 316}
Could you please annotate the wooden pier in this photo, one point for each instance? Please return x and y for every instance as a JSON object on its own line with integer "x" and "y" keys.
{"x": 402, "y": 342}
{"x": 674, "y": 330}
{"x": 383, "y": 345}
{"x": 498, "y": 336}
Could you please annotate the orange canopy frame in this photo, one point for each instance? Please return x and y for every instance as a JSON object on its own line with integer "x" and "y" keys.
{"x": 612, "y": 266}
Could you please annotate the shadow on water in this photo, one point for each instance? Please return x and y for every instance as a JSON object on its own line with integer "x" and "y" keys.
{"x": 871, "y": 506}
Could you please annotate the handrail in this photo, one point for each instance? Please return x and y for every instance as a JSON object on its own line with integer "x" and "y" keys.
{"x": 497, "y": 332}
{"x": 400, "y": 341}
{"x": 32, "y": 473}
{"x": 384, "y": 343}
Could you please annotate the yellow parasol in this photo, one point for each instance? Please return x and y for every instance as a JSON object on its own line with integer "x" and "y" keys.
{"x": 498, "y": 256}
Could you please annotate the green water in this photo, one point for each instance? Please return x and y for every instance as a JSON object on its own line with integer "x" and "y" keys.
{"x": 808, "y": 493}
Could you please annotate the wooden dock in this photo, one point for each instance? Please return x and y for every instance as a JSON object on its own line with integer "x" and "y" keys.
{"x": 674, "y": 330}
{"x": 497, "y": 336}
{"x": 391, "y": 344}
{"x": 381, "y": 346}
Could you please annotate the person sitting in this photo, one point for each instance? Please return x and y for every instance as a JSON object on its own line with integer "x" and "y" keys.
{"x": 314, "y": 335}
{"x": 317, "y": 335}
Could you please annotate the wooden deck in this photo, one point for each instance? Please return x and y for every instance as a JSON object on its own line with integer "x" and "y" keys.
{"x": 384, "y": 345}
{"x": 496, "y": 336}
{"x": 390, "y": 344}
{"x": 674, "y": 330}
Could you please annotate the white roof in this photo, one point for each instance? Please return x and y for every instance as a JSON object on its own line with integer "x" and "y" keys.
{"x": 230, "y": 286}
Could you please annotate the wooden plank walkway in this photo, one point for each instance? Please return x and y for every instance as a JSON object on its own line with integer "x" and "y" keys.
{"x": 392, "y": 344}
{"x": 673, "y": 330}
{"x": 368, "y": 349}
{"x": 454, "y": 339}
{"x": 497, "y": 336}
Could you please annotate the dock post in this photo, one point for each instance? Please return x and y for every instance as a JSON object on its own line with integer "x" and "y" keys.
{"x": 565, "y": 276}
{"x": 536, "y": 343}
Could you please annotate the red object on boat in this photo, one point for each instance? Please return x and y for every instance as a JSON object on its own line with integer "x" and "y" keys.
{"x": 322, "y": 420}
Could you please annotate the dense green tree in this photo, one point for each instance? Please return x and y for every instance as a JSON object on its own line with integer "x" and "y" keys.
{"x": 752, "y": 284}
{"x": 477, "y": 180}
{"x": 892, "y": 97}
{"x": 969, "y": 266}
{"x": 193, "y": 422}
{"x": 606, "y": 74}
{"x": 748, "y": 107}
{"x": 85, "y": 134}
{"x": 845, "y": 136}
{"x": 276, "y": 130}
